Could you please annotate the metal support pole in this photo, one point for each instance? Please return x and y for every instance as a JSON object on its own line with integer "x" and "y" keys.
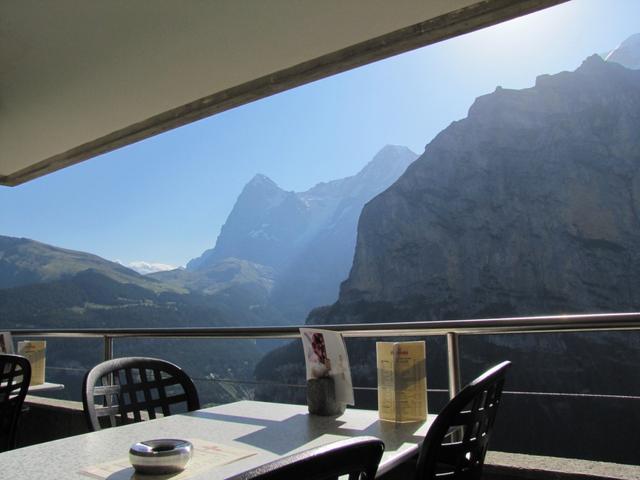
{"x": 453, "y": 363}
{"x": 453, "y": 367}
{"x": 108, "y": 355}
{"x": 108, "y": 348}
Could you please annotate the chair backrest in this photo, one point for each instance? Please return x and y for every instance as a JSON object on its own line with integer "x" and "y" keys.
{"x": 456, "y": 442}
{"x": 15, "y": 375}
{"x": 133, "y": 389}
{"x": 358, "y": 457}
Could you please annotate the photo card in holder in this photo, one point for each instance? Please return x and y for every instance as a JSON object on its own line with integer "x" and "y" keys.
{"x": 326, "y": 357}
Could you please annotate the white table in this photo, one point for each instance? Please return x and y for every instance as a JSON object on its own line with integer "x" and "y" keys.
{"x": 44, "y": 387}
{"x": 272, "y": 430}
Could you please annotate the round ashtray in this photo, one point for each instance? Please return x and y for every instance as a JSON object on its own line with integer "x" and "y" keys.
{"x": 162, "y": 456}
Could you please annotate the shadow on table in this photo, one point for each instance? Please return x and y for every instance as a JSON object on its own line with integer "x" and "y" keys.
{"x": 282, "y": 436}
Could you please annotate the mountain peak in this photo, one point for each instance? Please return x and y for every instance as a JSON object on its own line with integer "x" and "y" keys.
{"x": 631, "y": 42}
{"x": 260, "y": 180}
{"x": 592, "y": 62}
{"x": 261, "y": 188}
{"x": 390, "y": 157}
{"x": 392, "y": 151}
{"x": 627, "y": 53}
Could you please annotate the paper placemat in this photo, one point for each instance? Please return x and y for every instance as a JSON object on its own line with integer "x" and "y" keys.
{"x": 205, "y": 456}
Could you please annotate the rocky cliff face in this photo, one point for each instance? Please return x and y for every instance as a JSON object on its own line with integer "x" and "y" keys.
{"x": 529, "y": 205}
{"x": 305, "y": 240}
{"x": 264, "y": 223}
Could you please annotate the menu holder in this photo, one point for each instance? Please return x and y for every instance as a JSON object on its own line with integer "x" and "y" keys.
{"x": 402, "y": 381}
{"x": 35, "y": 352}
{"x": 329, "y": 386}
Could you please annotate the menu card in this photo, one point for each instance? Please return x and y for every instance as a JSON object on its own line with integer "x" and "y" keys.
{"x": 6, "y": 342}
{"x": 34, "y": 351}
{"x": 402, "y": 381}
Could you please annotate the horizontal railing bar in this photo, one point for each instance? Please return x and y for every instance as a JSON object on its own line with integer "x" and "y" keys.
{"x": 576, "y": 395}
{"x": 373, "y": 389}
{"x": 429, "y": 390}
{"x": 540, "y": 324}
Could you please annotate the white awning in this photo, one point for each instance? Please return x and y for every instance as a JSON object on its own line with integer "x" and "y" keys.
{"x": 79, "y": 78}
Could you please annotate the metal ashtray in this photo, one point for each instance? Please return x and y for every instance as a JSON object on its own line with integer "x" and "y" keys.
{"x": 162, "y": 456}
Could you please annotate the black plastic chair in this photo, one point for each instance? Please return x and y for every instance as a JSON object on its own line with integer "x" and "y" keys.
{"x": 357, "y": 457}
{"x": 134, "y": 389}
{"x": 15, "y": 376}
{"x": 456, "y": 443}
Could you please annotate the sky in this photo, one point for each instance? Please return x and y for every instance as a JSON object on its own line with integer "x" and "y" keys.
{"x": 163, "y": 200}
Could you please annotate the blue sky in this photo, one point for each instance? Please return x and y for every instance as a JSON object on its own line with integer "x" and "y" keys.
{"x": 165, "y": 199}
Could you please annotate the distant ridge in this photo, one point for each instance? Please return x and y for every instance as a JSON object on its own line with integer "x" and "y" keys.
{"x": 24, "y": 261}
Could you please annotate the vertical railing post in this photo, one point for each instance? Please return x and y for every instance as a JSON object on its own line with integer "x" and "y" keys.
{"x": 108, "y": 355}
{"x": 453, "y": 367}
{"x": 453, "y": 363}
{"x": 108, "y": 348}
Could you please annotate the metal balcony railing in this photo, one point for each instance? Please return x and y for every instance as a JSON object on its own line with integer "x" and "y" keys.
{"x": 451, "y": 329}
